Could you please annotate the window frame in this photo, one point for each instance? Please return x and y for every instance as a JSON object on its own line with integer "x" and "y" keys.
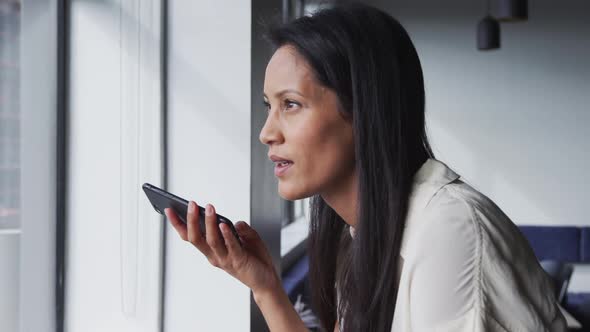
{"x": 43, "y": 164}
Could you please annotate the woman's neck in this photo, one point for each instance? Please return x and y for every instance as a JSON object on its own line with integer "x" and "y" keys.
{"x": 343, "y": 199}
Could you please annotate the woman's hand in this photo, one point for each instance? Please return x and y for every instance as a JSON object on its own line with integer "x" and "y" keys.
{"x": 250, "y": 263}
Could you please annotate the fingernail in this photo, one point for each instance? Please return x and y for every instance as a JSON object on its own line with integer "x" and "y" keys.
{"x": 221, "y": 227}
{"x": 208, "y": 210}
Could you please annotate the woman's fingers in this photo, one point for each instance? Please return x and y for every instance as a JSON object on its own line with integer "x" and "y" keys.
{"x": 194, "y": 229}
{"x": 178, "y": 225}
{"x": 213, "y": 234}
{"x": 219, "y": 244}
{"x": 254, "y": 241}
{"x": 234, "y": 249}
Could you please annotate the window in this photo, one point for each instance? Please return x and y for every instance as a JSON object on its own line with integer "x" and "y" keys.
{"x": 9, "y": 114}
{"x": 294, "y": 232}
{"x": 10, "y": 15}
{"x": 295, "y": 223}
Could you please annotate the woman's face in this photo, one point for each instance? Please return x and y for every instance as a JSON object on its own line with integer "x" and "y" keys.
{"x": 304, "y": 126}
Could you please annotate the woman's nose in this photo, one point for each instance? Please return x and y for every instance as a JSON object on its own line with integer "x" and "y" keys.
{"x": 270, "y": 132}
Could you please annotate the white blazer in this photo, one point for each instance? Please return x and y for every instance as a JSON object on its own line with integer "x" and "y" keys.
{"x": 465, "y": 266}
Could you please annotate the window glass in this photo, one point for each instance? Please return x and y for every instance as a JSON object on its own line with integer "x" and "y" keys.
{"x": 9, "y": 114}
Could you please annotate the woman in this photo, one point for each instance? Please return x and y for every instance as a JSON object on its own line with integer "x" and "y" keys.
{"x": 397, "y": 241}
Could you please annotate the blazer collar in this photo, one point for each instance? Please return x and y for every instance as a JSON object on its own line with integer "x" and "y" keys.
{"x": 435, "y": 173}
{"x": 428, "y": 180}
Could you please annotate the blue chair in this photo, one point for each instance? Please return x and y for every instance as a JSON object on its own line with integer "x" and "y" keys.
{"x": 561, "y": 274}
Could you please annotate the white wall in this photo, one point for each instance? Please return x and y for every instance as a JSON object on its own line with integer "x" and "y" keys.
{"x": 513, "y": 122}
{"x": 113, "y": 251}
{"x": 209, "y": 154}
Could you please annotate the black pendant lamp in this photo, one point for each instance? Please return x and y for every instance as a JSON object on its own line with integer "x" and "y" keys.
{"x": 488, "y": 32}
{"x": 512, "y": 10}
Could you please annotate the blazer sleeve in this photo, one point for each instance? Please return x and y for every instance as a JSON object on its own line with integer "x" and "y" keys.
{"x": 473, "y": 272}
{"x": 445, "y": 290}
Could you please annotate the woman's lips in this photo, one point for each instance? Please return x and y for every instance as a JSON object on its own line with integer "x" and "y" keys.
{"x": 281, "y": 168}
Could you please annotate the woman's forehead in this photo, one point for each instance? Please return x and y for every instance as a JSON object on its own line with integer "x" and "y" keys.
{"x": 288, "y": 70}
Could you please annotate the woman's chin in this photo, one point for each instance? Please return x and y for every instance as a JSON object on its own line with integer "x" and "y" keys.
{"x": 289, "y": 193}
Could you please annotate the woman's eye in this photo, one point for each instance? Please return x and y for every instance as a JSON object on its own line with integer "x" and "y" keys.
{"x": 290, "y": 104}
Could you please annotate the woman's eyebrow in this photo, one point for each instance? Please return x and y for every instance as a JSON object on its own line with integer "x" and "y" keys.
{"x": 285, "y": 91}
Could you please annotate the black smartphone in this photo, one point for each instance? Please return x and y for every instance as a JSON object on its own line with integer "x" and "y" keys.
{"x": 161, "y": 199}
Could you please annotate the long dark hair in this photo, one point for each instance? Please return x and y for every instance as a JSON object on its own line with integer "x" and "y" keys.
{"x": 367, "y": 58}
